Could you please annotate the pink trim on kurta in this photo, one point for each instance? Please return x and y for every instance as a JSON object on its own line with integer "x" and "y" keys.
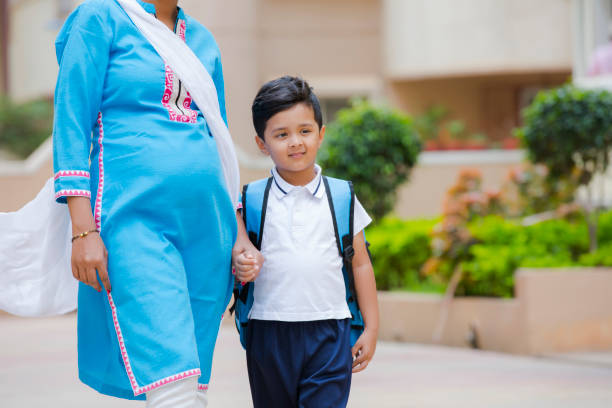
{"x": 203, "y": 387}
{"x": 73, "y": 193}
{"x": 124, "y": 355}
{"x": 71, "y": 173}
{"x": 181, "y": 100}
{"x": 168, "y": 380}
{"x": 98, "y": 206}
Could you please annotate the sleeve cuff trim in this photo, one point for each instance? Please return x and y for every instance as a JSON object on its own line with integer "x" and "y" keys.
{"x": 73, "y": 193}
{"x": 71, "y": 173}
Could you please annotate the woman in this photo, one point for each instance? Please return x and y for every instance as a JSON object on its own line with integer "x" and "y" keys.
{"x": 150, "y": 210}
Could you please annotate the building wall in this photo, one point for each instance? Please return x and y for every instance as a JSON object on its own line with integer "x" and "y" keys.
{"x": 32, "y": 63}
{"x": 450, "y": 37}
{"x": 490, "y": 104}
{"x": 3, "y": 46}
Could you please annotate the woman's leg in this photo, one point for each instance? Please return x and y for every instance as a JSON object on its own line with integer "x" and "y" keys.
{"x": 179, "y": 394}
{"x": 202, "y": 399}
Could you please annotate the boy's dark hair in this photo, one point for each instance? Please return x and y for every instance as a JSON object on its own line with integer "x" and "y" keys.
{"x": 279, "y": 95}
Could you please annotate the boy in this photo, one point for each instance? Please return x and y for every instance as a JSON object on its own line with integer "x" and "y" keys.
{"x": 298, "y": 342}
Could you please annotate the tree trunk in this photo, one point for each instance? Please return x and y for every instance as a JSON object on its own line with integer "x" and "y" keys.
{"x": 449, "y": 294}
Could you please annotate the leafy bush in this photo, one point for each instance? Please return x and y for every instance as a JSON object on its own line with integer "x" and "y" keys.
{"x": 399, "y": 249}
{"x": 570, "y": 131}
{"x": 373, "y": 147}
{"x": 500, "y": 246}
{"x": 25, "y": 126}
{"x": 568, "y": 128}
{"x": 504, "y": 246}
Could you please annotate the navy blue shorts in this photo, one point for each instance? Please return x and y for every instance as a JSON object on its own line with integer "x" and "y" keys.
{"x": 299, "y": 364}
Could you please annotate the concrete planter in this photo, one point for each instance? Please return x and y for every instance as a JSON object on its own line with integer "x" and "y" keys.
{"x": 554, "y": 310}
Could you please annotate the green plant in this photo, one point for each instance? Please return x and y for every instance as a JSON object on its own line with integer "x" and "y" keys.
{"x": 399, "y": 250}
{"x": 428, "y": 124}
{"x": 373, "y": 147}
{"x": 23, "y": 127}
{"x": 498, "y": 248}
{"x": 570, "y": 131}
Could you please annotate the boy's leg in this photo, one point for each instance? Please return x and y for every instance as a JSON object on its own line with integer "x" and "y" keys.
{"x": 326, "y": 378}
{"x": 179, "y": 394}
{"x": 274, "y": 360}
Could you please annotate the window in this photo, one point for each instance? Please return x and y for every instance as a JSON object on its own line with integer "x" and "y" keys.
{"x": 331, "y": 106}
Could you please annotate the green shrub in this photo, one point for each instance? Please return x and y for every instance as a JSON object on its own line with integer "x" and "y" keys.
{"x": 373, "y": 147}
{"x": 569, "y": 130}
{"x": 399, "y": 249}
{"x": 601, "y": 257}
{"x": 23, "y": 127}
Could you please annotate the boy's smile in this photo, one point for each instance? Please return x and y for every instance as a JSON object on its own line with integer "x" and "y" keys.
{"x": 292, "y": 139}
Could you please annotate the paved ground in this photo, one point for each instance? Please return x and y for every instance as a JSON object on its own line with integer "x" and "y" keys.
{"x": 38, "y": 369}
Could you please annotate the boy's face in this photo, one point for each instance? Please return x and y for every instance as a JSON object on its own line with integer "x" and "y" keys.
{"x": 292, "y": 139}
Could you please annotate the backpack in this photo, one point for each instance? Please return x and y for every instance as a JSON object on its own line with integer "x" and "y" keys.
{"x": 341, "y": 199}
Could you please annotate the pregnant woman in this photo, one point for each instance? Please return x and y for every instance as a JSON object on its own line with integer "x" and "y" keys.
{"x": 150, "y": 179}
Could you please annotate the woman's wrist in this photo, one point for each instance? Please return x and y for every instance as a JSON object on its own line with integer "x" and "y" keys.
{"x": 85, "y": 233}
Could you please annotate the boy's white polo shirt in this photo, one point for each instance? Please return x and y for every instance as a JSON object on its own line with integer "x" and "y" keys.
{"x": 301, "y": 278}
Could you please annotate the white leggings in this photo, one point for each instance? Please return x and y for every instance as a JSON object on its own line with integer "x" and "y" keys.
{"x": 179, "y": 394}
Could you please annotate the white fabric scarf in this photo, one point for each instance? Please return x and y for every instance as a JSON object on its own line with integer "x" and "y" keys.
{"x": 35, "y": 249}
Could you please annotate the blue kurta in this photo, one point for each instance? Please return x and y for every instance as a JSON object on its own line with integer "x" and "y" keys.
{"x": 128, "y": 135}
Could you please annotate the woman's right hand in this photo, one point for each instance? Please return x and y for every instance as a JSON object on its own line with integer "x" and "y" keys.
{"x": 88, "y": 256}
{"x": 88, "y": 253}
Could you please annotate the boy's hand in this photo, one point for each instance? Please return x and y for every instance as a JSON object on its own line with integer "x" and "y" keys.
{"x": 247, "y": 266}
{"x": 363, "y": 350}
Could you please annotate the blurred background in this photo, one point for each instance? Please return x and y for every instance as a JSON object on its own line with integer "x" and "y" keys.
{"x": 477, "y": 132}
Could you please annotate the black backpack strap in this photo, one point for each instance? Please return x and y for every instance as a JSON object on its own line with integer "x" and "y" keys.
{"x": 345, "y": 243}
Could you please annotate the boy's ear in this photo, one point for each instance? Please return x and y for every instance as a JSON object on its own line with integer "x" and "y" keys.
{"x": 321, "y": 134}
{"x": 261, "y": 145}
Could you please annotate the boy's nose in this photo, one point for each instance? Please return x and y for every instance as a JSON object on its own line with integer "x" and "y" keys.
{"x": 294, "y": 140}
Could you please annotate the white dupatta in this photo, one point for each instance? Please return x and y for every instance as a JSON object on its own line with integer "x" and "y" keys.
{"x": 35, "y": 250}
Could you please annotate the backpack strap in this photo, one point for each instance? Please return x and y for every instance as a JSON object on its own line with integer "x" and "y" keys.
{"x": 341, "y": 199}
{"x": 343, "y": 213}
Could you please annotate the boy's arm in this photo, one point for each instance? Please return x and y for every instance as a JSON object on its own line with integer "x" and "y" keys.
{"x": 365, "y": 286}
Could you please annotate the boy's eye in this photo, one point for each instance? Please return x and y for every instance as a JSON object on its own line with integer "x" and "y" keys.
{"x": 281, "y": 134}
{"x": 306, "y": 131}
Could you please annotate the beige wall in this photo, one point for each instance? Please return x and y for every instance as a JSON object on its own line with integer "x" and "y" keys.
{"x": 32, "y": 63}
{"x": 554, "y": 311}
{"x": 488, "y": 104}
{"x": 424, "y": 194}
{"x": 450, "y": 37}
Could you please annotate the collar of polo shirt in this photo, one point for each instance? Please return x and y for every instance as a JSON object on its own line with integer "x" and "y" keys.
{"x": 282, "y": 188}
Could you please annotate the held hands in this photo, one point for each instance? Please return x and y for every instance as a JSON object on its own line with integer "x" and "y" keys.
{"x": 363, "y": 350}
{"x": 88, "y": 255}
{"x": 247, "y": 261}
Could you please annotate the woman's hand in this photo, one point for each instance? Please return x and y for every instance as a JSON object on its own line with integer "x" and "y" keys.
{"x": 88, "y": 256}
{"x": 88, "y": 253}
